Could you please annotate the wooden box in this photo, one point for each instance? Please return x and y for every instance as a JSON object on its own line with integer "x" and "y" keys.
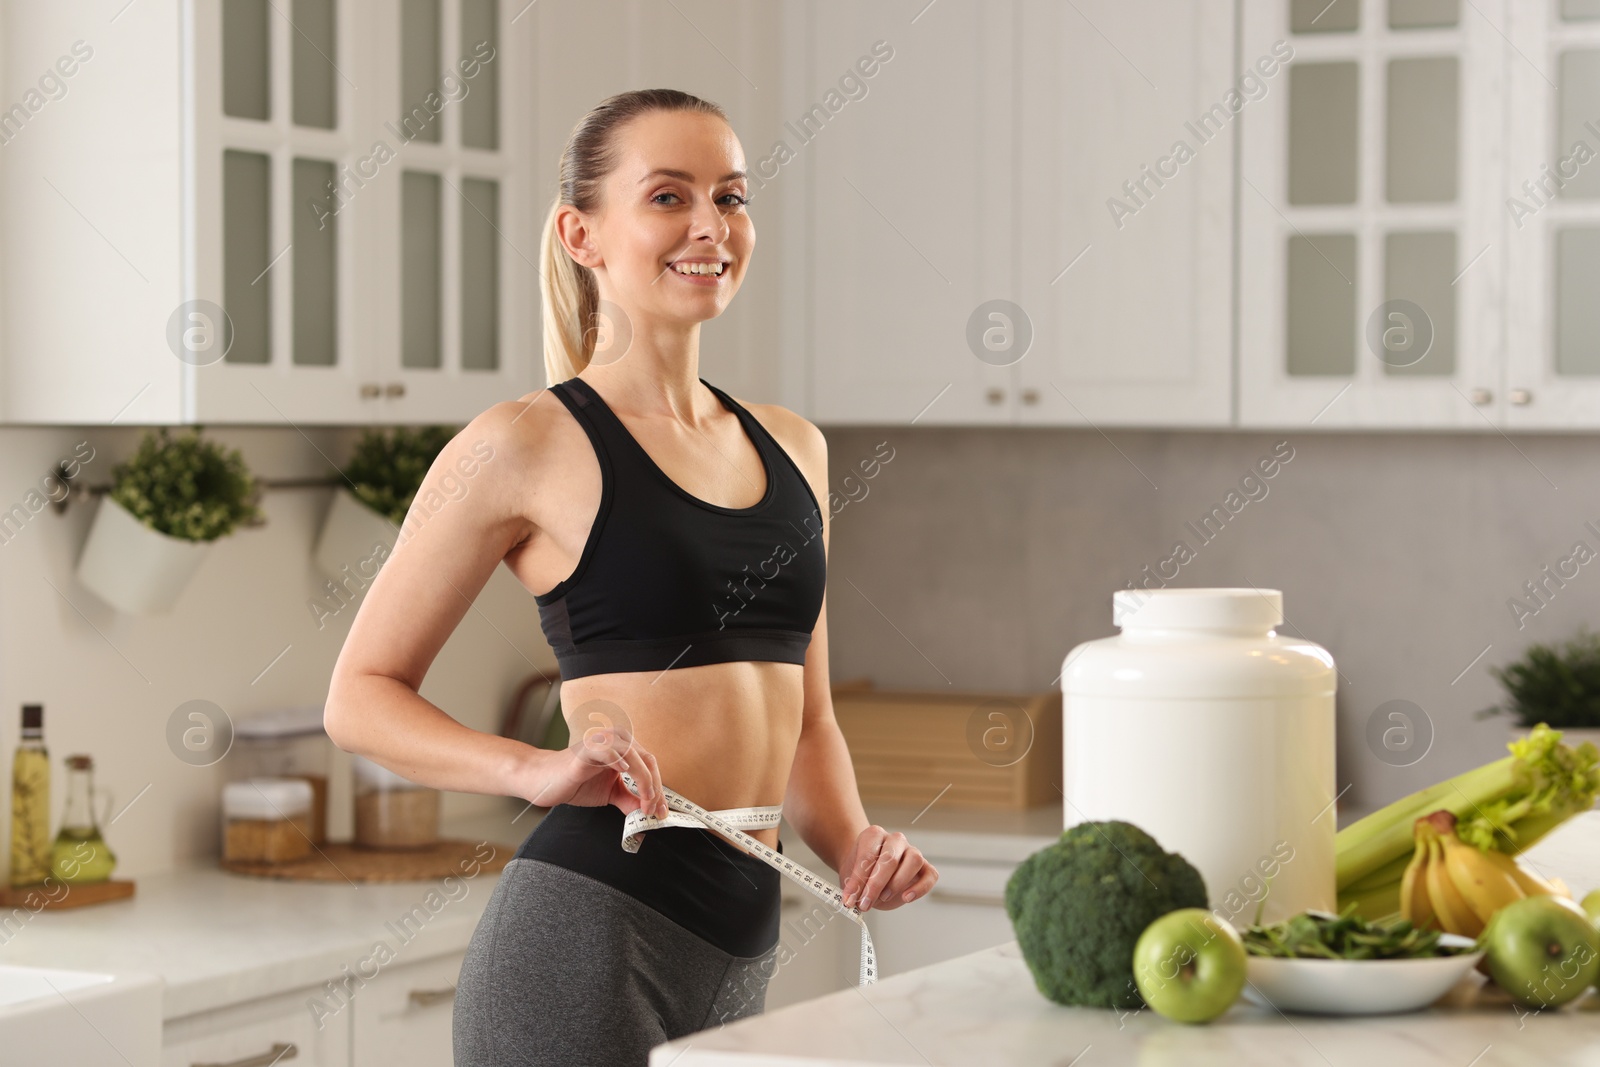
{"x": 979, "y": 750}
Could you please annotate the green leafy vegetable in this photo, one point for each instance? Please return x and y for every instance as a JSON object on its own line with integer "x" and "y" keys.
{"x": 1322, "y": 935}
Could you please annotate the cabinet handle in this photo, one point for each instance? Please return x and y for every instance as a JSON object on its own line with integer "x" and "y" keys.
{"x": 370, "y": 390}
{"x": 1519, "y": 396}
{"x": 995, "y": 396}
{"x": 279, "y": 1051}
{"x": 395, "y": 389}
{"x": 1030, "y": 396}
{"x": 421, "y": 998}
{"x": 950, "y": 896}
{"x": 1481, "y": 396}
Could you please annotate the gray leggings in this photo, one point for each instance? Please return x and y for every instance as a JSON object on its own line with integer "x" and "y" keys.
{"x": 564, "y": 970}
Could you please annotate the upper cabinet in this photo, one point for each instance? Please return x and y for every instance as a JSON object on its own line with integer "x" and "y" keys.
{"x": 316, "y": 216}
{"x": 1551, "y": 214}
{"x": 905, "y": 127}
{"x": 1126, "y": 116}
{"x": 1407, "y": 257}
{"x": 987, "y": 242}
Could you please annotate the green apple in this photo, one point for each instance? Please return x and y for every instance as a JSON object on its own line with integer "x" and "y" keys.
{"x": 1591, "y": 904}
{"x": 1189, "y": 965}
{"x": 1543, "y": 951}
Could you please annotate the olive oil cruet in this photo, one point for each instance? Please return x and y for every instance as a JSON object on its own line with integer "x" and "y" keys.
{"x": 80, "y": 855}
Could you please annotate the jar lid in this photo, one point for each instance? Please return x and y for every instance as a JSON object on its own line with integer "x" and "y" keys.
{"x": 281, "y": 722}
{"x": 266, "y": 798}
{"x": 1235, "y": 610}
{"x": 375, "y": 774}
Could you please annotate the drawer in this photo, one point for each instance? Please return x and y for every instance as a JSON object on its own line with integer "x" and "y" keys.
{"x": 284, "y": 1031}
{"x": 402, "y": 1016}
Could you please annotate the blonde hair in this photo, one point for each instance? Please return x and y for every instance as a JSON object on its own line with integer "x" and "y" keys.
{"x": 568, "y": 292}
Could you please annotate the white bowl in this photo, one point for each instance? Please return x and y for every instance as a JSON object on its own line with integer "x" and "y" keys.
{"x": 1357, "y": 987}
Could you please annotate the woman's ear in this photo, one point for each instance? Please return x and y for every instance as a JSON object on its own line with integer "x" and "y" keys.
{"x": 572, "y": 229}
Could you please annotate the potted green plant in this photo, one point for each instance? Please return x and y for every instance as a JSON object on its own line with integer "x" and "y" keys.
{"x": 383, "y": 474}
{"x": 175, "y": 497}
{"x": 1558, "y": 684}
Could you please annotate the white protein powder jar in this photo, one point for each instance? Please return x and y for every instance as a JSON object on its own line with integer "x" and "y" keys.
{"x": 1206, "y": 729}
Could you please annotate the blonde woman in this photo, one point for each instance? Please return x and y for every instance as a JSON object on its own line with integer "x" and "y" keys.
{"x": 675, "y": 544}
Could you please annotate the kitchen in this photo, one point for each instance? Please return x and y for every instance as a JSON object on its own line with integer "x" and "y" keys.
{"x": 1190, "y": 244}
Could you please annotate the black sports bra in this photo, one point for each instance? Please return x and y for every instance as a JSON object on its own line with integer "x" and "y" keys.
{"x": 667, "y": 580}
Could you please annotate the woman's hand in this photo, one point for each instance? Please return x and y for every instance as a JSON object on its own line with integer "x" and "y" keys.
{"x": 884, "y": 871}
{"x": 588, "y": 773}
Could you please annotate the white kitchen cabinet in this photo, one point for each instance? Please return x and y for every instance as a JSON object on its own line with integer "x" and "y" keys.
{"x": 1123, "y": 211}
{"x": 402, "y": 1018}
{"x": 364, "y": 236}
{"x": 965, "y": 912}
{"x": 1373, "y": 249}
{"x": 398, "y": 1017}
{"x": 1551, "y": 216}
{"x": 279, "y": 1029}
{"x": 907, "y": 115}
{"x": 965, "y": 266}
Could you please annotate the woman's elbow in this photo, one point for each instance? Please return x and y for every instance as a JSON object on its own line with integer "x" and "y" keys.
{"x": 341, "y": 715}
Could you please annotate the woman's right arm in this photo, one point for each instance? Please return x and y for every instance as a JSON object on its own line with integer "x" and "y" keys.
{"x": 469, "y": 512}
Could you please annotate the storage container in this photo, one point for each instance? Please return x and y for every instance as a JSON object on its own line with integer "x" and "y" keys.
{"x": 391, "y": 810}
{"x": 287, "y": 743}
{"x": 1213, "y": 733}
{"x": 266, "y": 820}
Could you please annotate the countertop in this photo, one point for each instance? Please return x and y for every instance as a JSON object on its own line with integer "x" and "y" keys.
{"x": 984, "y": 1009}
{"x": 217, "y": 938}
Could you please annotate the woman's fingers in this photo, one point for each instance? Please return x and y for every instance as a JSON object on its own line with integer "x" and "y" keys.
{"x": 883, "y": 868}
{"x": 655, "y": 777}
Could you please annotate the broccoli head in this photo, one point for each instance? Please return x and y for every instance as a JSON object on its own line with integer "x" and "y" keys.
{"x": 1079, "y": 905}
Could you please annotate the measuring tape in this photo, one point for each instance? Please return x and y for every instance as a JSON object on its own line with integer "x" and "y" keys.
{"x": 682, "y": 811}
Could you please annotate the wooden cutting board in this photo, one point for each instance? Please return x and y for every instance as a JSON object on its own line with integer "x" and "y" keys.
{"x": 340, "y": 861}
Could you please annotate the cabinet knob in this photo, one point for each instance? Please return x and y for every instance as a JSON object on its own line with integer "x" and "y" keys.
{"x": 1481, "y": 396}
{"x": 395, "y": 389}
{"x": 1030, "y": 396}
{"x": 423, "y": 997}
{"x": 1519, "y": 396}
{"x": 370, "y": 390}
{"x": 995, "y": 396}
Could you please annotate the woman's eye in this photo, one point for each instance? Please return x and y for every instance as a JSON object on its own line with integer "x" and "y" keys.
{"x": 740, "y": 201}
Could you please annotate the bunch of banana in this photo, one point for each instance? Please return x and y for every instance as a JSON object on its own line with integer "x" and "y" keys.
{"x": 1455, "y": 886}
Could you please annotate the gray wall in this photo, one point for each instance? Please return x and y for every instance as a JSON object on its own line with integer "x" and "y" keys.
{"x": 978, "y": 558}
{"x": 972, "y": 559}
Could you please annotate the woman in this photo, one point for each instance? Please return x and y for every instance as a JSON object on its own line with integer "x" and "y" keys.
{"x": 670, "y": 536}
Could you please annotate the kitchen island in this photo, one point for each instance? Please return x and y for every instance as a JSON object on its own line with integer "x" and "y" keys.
{"x": 983, "y": 1009}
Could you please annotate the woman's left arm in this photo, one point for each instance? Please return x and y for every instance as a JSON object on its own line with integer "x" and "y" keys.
{"x": 877, "y": 868}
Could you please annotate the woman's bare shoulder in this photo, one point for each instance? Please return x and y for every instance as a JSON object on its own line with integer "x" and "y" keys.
{"x": 528, "y": 440}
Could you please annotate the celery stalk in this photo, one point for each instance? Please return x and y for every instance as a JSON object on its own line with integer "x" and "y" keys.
{"x": 1386, "y": 835}
{"x": 1506, "y": 805}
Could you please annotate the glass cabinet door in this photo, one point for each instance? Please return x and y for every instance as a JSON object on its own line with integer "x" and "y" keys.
{"x": 278, "y": 202}
{"x": 443, "y": 237}
{"x": 1371, "y": 274}
{"x": 1552, "y": 212}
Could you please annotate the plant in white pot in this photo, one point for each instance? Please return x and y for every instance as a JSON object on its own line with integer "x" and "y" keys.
{"x": 174, "y": 498}
{"x": 381, "y": 479}
{"x": 1555, "y": 684}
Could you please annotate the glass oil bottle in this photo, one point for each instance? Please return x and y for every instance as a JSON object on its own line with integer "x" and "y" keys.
{"x": 30, "y": 802}
{"x": 80, "y": 855}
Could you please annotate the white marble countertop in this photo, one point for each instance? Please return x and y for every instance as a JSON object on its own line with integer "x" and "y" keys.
{"x": 217, "y": 938}
{"x": 983, "y": 1009}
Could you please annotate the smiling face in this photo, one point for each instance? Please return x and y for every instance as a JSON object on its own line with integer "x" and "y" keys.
{"x": 673, "y": 203}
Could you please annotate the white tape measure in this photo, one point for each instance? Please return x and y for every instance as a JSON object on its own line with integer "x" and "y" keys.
{"x": 682, "y": 811}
